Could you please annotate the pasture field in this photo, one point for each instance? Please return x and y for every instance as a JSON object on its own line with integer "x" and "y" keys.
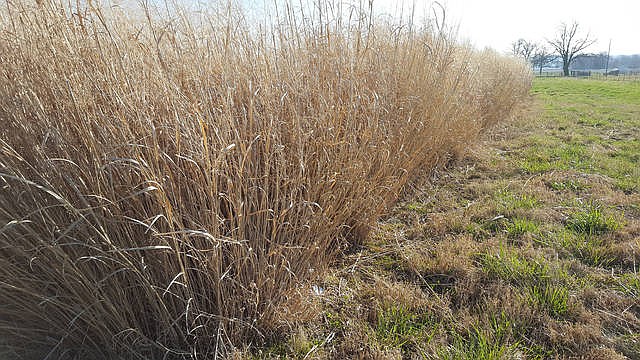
{"x": 527, "y": 248}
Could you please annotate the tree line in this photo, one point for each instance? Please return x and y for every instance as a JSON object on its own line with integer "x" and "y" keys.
{"x": 599, "y": 61}
{"x": 567, "y": 45}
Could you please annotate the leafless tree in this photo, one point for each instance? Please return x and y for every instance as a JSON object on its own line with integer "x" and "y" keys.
{"x": 568, "y": 44}
{"x": 524, "y": 48}
{"x": 542, "y": 57}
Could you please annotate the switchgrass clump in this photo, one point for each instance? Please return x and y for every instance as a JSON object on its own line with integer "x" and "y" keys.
{"x": 169, "y": 178}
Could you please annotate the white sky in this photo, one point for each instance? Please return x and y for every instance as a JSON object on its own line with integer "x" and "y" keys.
{"x": 497, "y": 23}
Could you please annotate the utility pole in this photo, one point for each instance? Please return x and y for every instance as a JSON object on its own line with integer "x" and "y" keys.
{"x": 606, "y": 69}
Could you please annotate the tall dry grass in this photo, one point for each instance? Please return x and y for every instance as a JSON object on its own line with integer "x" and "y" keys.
{"x": 165, "y": 181}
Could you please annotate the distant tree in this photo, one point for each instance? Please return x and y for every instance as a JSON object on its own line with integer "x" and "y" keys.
{"x": 524, "y": 49}
{"x": 590, "y": 61}
{"x": 542, "y": 57}
{"x": 627, "y": 62}
{"x": 568, "y": 44}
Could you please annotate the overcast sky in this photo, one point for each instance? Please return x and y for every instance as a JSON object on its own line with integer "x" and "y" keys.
{"x": 497, "y": 23}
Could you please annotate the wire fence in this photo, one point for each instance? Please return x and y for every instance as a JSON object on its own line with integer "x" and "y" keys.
{"x": 590, "y": 74}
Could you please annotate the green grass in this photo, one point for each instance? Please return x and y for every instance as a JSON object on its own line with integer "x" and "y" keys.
{"x": 511, "y": 201}
{"x": 629, "y": 344}
{"x": 630, "y": 284}
{"x": 509, "y": 266}
{"x": 541, "y": 158}
{"x": 518, "y": 227}
{"x": 552, "y": 298}
{"x": 583, "y": 112}
{"x": 397, "y": 326}
{"x": 476, "y": 346}
{"x": 570, "y": 185}
{"x": 592, "y": 220}
{"x": 591, "y": 250}
{"x": 480, "y": 343}
{"x": 334, "y": 320}
{"x": 419, "y": 207}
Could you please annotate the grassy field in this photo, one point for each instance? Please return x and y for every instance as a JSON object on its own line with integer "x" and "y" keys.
{"x": 528, "y": 248}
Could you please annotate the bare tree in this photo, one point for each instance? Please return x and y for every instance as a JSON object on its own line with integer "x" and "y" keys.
{"x": 542, "y": 57}
{"x": 568, "y": 44}
{"x": 523, "y": 48}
